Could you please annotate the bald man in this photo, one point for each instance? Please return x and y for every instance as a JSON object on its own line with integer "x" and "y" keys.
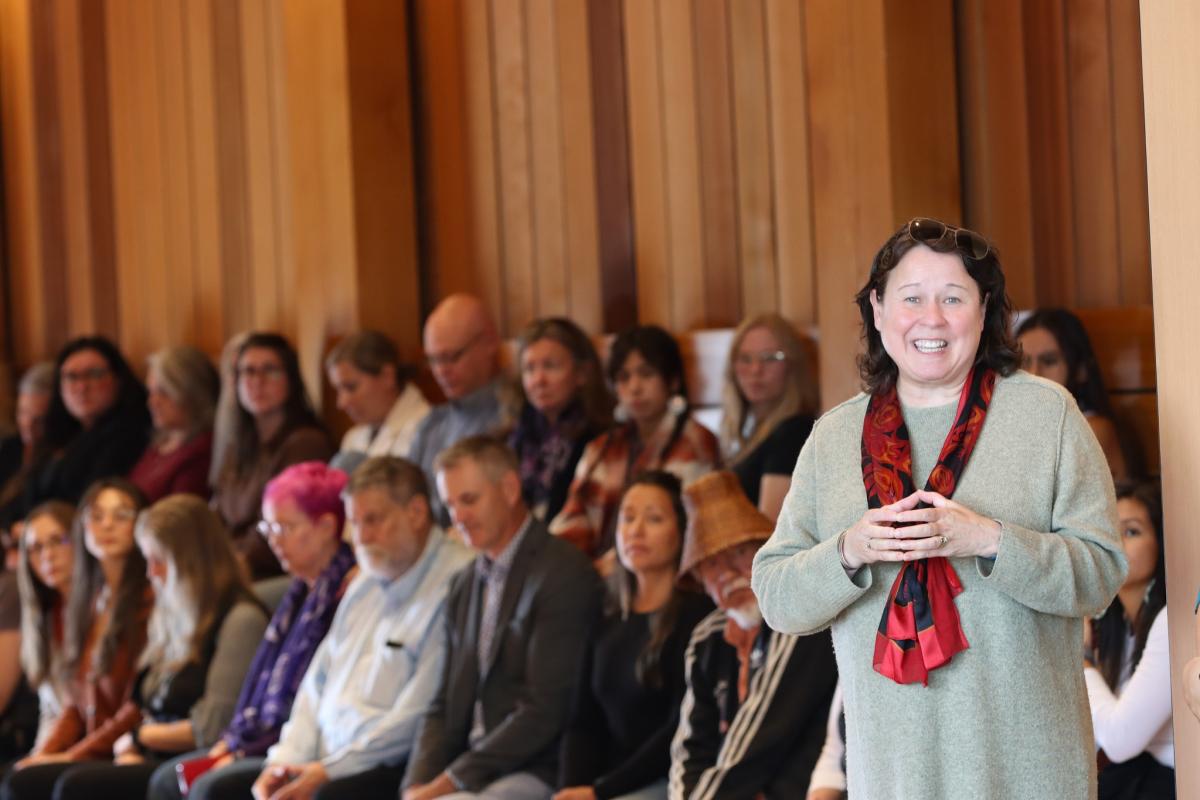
{"x": 461, "y": 346}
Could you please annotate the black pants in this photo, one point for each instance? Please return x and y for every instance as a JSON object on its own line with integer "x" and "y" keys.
{"x": 91, "y": 780}
{"x": 1141, "y": 778}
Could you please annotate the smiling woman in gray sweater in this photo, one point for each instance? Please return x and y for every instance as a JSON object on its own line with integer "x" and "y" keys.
{"x": 1029, "y": 540}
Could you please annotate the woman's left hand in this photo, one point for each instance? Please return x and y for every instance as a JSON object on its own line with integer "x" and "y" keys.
{"x": 947, "y": 529}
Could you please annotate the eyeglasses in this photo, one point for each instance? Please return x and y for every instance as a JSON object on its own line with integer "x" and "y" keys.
{"x": 932, "y": 231}
{"x": 766, "y": 358}
{"x": 93, "y": 374}
{"x": 266, "y": 372}
{"x": 268, "y": 529}
{"x": 451, "y": 357}
{"x": 98, "y": 515}
{"x": 52, "y": 543}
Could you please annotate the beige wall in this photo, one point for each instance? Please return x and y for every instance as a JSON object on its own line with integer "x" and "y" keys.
{"x": 1171, "y": 62}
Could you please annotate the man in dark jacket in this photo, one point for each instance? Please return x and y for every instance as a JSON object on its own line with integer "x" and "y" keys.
{"x": 517, "y": 622}
{"x": 753, "y": 719}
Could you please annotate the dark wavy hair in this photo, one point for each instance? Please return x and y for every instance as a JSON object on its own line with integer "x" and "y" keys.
{"x": 297, "y": 408}
{"x": 1111, "y": 630}
{"x": 1084, "y": 380}
{"x": 997, "y": 347}
{"x": 129, "y": 403}
{"x": 622, "y": 585}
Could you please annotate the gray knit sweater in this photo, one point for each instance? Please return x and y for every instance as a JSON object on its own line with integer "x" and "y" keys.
{"x": 1008, "y": 717}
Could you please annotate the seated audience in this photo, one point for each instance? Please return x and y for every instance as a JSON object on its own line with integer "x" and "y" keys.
{"x": 461, "y": 346}
{"x": 205, "y": 625}
{"x": 562, "y": 405}
{"x": 97, "y": 426}
{"x": 1056, "y": 346}
{"x": 273, "y": 426}
{"x": 763, "y": 693}
{"x": 373, "y": 678}
{"x": 770, "y": 397}
{"x": 828, "y": 780}
{"x": 375, "y": 389}
{"x": 302, "y": 521}
{"x": 627, "y": 705}
{"x": 182, "y": 388}
{"x": 104, "y": 633}
{"x": 1128, "y": 668}
{"x": 44, "y": 569}
{"x": 517, "y": 624}
{"x": 34, "y": 392}
{"x": 655, "y": 431}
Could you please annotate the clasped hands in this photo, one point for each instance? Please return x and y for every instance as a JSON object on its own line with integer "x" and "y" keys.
{"x": 946, "y": 528}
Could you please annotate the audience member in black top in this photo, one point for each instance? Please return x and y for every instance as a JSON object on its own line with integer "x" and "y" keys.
{"x": 1055, "y": 346}
{"x": 16, "y": 451}
{"x": 562, "y": 404}
{"x": 97, "y": 426}
{"x": 769, "y": 401}
{"x": 632, "y": 681}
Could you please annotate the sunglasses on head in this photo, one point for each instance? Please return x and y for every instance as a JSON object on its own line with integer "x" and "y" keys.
{"x": 932, "y": 231}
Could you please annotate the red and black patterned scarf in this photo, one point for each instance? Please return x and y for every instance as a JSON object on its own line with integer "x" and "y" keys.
{"x": 920, "y": 630}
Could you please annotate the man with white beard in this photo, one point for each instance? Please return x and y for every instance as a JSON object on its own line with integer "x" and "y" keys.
{"x": 752, "y": 721}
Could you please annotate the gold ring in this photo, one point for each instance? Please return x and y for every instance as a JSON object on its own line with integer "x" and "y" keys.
{"x": 944, "y": 540}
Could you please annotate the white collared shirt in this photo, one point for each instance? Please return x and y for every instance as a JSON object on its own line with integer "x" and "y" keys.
{"x": 395, "y": 435}
{"x": 377, "y": 670}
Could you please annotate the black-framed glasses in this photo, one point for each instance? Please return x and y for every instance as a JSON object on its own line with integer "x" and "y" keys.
{"x": 91, "y": 375}
{"x": 934, "y": 231}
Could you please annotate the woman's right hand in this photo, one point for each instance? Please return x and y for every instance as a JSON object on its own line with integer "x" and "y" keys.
{"x": 856, "y": 548}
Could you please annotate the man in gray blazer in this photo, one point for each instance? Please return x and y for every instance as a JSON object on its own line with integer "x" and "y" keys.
{"x": 517, "y": 623}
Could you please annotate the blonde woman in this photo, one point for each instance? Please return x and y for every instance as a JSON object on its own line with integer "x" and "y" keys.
{"x": 767, "y": 412}
{"x": 44, "y": 566}
{"x": 203, "y": 632}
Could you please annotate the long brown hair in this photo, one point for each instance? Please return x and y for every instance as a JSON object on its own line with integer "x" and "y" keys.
{"x": 204, "y": 580}
{"x": 799, "y": 395}
{"x": 622, "y": 585}
{"x": 87, "y": 581}
{"x": 38, "y": 600}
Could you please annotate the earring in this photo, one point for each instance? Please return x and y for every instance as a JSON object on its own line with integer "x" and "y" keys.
{"x": 677, "y": 405}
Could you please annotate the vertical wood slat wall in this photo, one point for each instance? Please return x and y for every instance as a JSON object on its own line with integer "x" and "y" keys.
{"x": 1054, "y": 147}
{"x": 180, "y": 170}
{"x": 183, "y": 170}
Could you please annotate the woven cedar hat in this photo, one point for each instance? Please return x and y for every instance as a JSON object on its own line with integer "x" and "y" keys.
{"x": 720, "y": 516}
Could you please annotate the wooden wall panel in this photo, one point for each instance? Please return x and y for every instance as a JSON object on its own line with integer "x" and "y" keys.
{"x": 192, "y": 168}
{"x": 651, "y": 248}
{"x": 1171, "y": 61}
{"x": 757, "y": 220}
{"x": 1054, "y": 147}
{"x": 791, "y": 177}
{"x": 581, "y": 191}
{"x": 685, "y": 162}
{"x": 997, "y": 184}
{"x": 718, "y": 162}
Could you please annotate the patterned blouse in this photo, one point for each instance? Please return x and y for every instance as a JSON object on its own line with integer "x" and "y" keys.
{"x": 611, "y": 460}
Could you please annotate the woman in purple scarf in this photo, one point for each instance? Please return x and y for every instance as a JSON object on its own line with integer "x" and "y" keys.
{"x": 302, "y": 521}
